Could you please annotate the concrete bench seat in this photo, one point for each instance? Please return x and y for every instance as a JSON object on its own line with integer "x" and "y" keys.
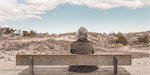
{"x": 105, "y": 70}
{"x": 109, "y": 64}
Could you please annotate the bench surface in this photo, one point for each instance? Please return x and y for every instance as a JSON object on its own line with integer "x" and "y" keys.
{"x": 73, "y": 59}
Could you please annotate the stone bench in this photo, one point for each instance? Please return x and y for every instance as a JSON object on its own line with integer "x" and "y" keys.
{"x": 109, "y": 64}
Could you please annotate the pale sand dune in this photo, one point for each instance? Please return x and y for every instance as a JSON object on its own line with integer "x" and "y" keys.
{"x": 140, "y": 65}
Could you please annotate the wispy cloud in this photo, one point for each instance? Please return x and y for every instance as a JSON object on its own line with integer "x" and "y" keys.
{"x": 54, "y": 13}
{"x": 6, "y": 26}
{"x": 104, "y": 13}
{"x": 25, "y": 26}
{"x": 113, "y": 15}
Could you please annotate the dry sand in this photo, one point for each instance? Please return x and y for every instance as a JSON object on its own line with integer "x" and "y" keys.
{"x": 140, "y": 66}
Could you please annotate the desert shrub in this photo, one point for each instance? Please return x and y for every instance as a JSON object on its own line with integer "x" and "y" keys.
{"x": 117, "y": 35}
{"x": 121, "y": 39}
{"x": 44, "y": 33}
{"x": 110, "y": 33}
{"x": 1, "y": 29}
{"x": 47, "y": 33}
{"x": 7, "y": 31}
{"x": 32, "y": 33}
{"x": 13, "y": 35}
{"x": 12, "y": 31}
{"x": 17, "y": 34}
{"x": 143, "y": 39}
{"x": 114, "y": 34}
{"x": 25, "y": 33}
{"x": 104, "y": 33}
{"x": 40, "y": 34}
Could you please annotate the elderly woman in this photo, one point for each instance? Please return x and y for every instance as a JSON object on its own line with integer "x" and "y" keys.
{"x": 82, "y": 46}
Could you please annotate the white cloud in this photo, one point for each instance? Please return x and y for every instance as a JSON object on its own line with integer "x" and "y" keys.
{"x": 5, "y": 26}
{"x": 54, "y": 13}
{"x": 25, "y": 26}
{"x": 11, "y": 10}
{"x": 104, "y": 13}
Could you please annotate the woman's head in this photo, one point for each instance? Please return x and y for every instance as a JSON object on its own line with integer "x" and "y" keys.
{"x": 82, "y": 33}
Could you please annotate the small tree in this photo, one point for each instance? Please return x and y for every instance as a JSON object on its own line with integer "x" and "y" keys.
{"x": 32, "y": 33}
{"x": 119, "y": 34}
{"x": 12, "y": 31}
{"x": 143, "y": 39}
{"x": 114, "y": 34}
{"x": 1, "y": 30}
{"x": 121, "y": 39}
{"x": 6, "y": 31}
{"x": 40, "y": 34}
{"x": 25, "y": 33}
{"x": 44, "y": 33}
{"x": 47, "y": 33}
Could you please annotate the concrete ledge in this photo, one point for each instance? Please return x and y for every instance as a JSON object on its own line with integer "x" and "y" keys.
{"x": 63, "y": 71}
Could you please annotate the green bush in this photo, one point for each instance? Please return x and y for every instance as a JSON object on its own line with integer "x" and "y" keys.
{"x": 114, "y": 34}
{"x": 7, "y": 31}
{"x": 25, "y": 33}
{"x": 143, "y": 39}
{"x": 32, "y": 33}
{"x": 121, "y": 39}
{"x": 44, "y": 33}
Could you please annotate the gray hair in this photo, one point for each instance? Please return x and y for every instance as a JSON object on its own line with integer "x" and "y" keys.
{"x": 82, "y": 33}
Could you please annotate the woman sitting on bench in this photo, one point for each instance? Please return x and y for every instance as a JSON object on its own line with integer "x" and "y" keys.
{"x": 82, "y": 46}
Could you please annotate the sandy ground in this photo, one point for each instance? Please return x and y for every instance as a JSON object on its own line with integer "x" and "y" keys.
{"x": 140, "y": 66}
{"x": 140, "y": 61}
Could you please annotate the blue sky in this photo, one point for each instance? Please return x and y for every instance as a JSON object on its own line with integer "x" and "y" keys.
{"x": 69, "y": 17}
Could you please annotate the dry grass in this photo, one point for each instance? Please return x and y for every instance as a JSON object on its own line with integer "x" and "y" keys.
{"x": 50, "y": 44}
{"x": 43, "y": 46}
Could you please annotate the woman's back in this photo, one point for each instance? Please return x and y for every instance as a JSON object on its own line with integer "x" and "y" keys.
{"x": 82, "y": 47}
